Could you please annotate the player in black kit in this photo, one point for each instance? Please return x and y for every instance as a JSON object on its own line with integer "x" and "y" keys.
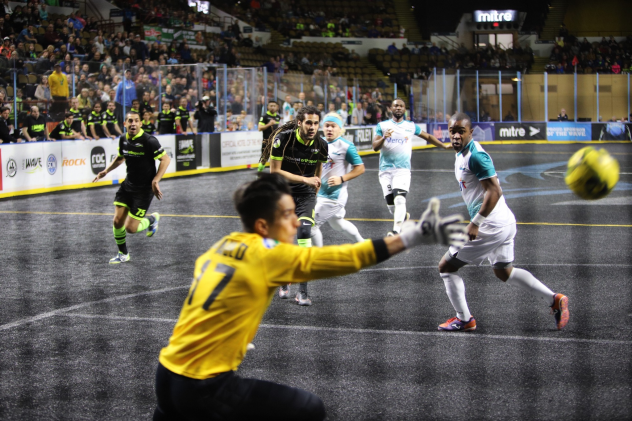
{"x": 297, "y": 153}
{"x": 139, "y": 150}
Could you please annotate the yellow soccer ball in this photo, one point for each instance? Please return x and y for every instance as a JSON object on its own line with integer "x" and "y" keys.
{"x": 592, "y": 173}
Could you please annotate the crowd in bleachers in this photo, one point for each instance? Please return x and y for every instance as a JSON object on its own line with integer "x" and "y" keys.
{"x": 297, "y": 18}
{"x": 571, "y": 55}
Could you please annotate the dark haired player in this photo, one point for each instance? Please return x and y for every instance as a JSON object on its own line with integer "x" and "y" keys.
{"x": 64, "y": 129}
{"x": 491, "y": 232}
{"x": 394, "y": 141}
{"x": 139, "y": 151}
{"x": 233, "y": 285}
{"x": 95, "y": 122}
{"x": 182, "y": 118}
{"x": 166, "y": 120}
{"x": 110, "y": 122}
{"x": 298, "y": 154}
{"x": 147, "y": 125}
{"x": 269, "y": 122}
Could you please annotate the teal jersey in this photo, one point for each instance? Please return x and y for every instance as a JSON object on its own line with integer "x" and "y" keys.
{"x": 343, "y": 156}
{"x": 397, "y": 149}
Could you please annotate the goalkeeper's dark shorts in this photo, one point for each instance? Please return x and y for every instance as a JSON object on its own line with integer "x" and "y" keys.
{"x": 230, "y": 397}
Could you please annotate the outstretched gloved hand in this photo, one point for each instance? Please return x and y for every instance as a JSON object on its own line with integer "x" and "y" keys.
{"x": 432, "y": 229}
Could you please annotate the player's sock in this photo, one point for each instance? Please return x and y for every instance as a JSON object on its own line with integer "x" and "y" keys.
{"x": 119, "y": 237}
{"x": 399, "y": 214}
{"x": 525, "y": 280}
{"x": 304, "y": 242}
{"x": 347, "y": 228}
{"x": 455, "y": 288}
{"x": 391, "y": 208}
{"x": 145, "y": 222}
{"x": 317, "y": 236}
{"x": 260, "y": 167}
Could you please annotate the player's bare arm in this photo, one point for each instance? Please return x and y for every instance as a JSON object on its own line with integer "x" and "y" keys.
{"x": 93, "y": 131}
{"x": 492, "y": 195}
{"x": 84, "y": 132}
{"x": 318, "y": 173}
{"x": 431, "y": 139}
{"x": 107, "y": 132}
{"x": 357, "y": 171}
{"x": 164, "y": 163}
{"x": 26, "y": 134}
{"x": 378, "y": 141}
{"x": 275, "y": 167}
{"x": 118, "y": 161}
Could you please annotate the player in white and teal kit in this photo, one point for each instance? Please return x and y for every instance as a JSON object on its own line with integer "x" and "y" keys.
{"x": 393, "y": 138}
{"x": 343, "y": 165}
{"x": 491, "y": 232}
{"x": 288, "y": 110}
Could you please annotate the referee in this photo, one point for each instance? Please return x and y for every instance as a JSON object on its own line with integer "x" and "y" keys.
{"x": 233, "y": 286}
{"x": 139, "y": 150}
{"x": 298, "y": 154}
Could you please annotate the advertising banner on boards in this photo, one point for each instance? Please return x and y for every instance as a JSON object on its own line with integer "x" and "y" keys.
{"x": 611, "y": 131}
{"x": 520, "y": 131}
{"x": 185, "y": 152}
{"x": 568, "y": 130}
{"x": 240, "y": 148}
{"x": 31, "y": 166}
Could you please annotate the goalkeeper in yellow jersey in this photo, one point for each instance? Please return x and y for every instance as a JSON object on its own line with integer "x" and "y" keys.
{"x": 233, "y": 285}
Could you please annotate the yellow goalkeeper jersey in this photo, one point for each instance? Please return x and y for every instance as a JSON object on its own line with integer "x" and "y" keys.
{"x": 233, "y": 285}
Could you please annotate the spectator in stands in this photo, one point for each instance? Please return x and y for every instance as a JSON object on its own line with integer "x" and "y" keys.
{"x": 42, "y": 93}
{"x": 5, "y": 28}
{"x": 509, "y": 116}
{"x": 126, "y": 91}
{"x": 484, "y": 116}
{"x": 237, "y": 105}
{"x": 434, "y": 50}
{"x": 7, "y": 8}
{"x": 404, "y": 50}
{"x": 357, "y": 116}
{"x": 5, "y": 128}
{"x": 392, "y": 49}
{"x": 562, "y": 115}
{"x": 58, "y": 89}
{"x": 27, "y": 35}
{"x": 75, "y": 22}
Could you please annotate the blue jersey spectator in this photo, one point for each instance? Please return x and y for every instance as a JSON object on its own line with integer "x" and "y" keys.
{"x": 130, "y": 91}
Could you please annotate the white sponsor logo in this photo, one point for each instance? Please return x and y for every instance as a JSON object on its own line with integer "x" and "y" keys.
{"x": 533, "y": 131}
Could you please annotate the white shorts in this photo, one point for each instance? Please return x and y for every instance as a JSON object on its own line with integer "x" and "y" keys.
{"x": 327, "y": 209}
{"x": 394, "y": 179}
{"x": 496, "y": 245}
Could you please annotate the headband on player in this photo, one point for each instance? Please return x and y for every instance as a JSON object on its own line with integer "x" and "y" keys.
{"x": 333, "y": 119}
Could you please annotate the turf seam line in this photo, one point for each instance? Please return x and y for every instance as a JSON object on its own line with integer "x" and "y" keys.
{"x": 463, "y": 335}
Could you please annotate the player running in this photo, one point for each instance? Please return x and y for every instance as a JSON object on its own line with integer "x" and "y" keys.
{"x": 491, "y": 232}
{"x": 233, "y": 285}
{"x": 394, "y": 141}
{"x": 139, "y": 151}
{"x": 344, "y": 164}
{"x": 297, "y": 153}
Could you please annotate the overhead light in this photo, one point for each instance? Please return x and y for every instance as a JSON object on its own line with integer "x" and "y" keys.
{"x": 515, "y": 79}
